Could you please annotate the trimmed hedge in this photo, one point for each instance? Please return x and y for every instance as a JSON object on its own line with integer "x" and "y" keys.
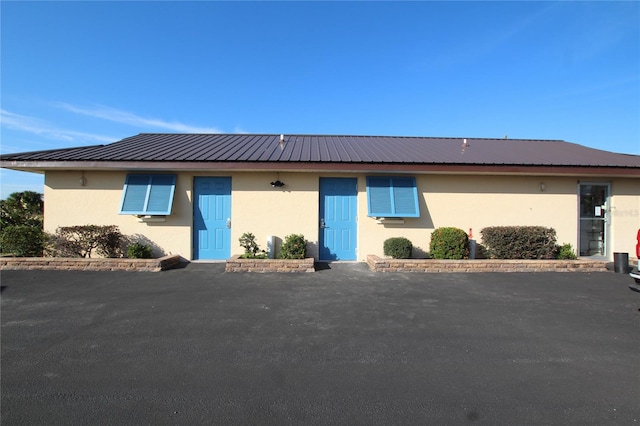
{"x": 81, "y": 241}
{"x": 449, "y": 243}
{"x": 398, "y": 248}
{"x": 519, "y": 242}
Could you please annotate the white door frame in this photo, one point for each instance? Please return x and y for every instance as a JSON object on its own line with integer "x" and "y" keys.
{"x": 606, "y": 217}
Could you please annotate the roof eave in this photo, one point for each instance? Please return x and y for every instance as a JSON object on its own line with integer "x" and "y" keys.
{"x": 431, "y": 168}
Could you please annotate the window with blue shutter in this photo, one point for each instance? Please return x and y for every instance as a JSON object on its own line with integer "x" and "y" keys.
{"x": 392, "y": 196}
{"x": 148, "y": 195}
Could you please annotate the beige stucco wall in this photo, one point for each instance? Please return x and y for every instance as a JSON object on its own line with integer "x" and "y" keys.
{"x": 68, "y": 203}
{"x": 256, "y": 207}
{"x": 445, "y": 200}
{"x": 475, "y": 202}
{"x": 265, "y": 211}
{"x": 625, "y": 215}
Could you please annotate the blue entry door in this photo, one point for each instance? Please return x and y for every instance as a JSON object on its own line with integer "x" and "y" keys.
{"x": 338, "y": 199}
{"x": 212, "y": 218}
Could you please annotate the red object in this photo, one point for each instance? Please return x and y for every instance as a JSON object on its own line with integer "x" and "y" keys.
{"x": 638, "y": 245}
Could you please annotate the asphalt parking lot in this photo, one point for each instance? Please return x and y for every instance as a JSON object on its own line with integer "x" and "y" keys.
{"x": 342, "y": 346}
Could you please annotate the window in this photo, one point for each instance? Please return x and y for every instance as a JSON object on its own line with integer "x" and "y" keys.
{"x": 148, "y": 194}
{"x": 392, "y": 196}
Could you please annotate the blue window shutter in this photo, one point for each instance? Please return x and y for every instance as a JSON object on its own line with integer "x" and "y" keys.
{"x": 161, "y": 194}
{"x": 379, "y": 195}
{"x": 135, "y": 193}
{"x": 392, "y": 197}
{"x": 148, "y": 194}
{"x": 405, "y": 197}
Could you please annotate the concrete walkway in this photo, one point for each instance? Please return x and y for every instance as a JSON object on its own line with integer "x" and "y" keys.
{"x": 342, "y": 346}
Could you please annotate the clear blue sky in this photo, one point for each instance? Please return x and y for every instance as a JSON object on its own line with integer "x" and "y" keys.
{"x": 84, "y": 73}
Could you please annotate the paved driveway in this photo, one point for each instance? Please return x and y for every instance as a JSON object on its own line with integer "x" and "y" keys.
{"x": 341, "y": 346}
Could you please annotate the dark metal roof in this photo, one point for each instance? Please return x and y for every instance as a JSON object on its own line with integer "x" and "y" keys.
{"x": 243, "y": 148}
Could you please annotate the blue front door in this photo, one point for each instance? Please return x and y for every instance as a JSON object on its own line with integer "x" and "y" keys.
{"x": 212, "y": 218}
{"x": 338, "y": 198}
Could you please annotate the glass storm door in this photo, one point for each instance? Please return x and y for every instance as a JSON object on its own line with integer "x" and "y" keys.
{"x": 594, "y": 219}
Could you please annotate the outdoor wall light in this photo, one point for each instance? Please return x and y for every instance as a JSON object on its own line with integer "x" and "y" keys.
{"x": 542, "y": 187}
{"x": 277, "y": 184}
{"x": 83, "y": 180}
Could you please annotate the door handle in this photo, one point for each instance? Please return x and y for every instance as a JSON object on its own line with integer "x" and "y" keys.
{"x": 322, "y": 225}
{"x": 229, "y": 223}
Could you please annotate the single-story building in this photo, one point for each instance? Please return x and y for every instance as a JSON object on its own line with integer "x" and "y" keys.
{"x": 196, "y": 194}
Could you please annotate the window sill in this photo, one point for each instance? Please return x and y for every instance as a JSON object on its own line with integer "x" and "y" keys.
{"x": 390, "y": 220}
{"x": 151, "y": 219}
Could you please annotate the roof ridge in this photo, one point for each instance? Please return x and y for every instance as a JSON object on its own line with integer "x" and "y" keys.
{"x": 342, "y": 135}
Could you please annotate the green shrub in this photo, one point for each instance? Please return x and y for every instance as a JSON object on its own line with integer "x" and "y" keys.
{"x": 449, "y": 243}
{"x": 293, "y": 247}
{"x": 139, "y": 251}
{"x": 251, "y": 248}
{"x": 566, "y": 252}
{"x": 22, "y": 240}
{"x": 398, "y": 248}
{"x": 81, "y": 241}
{"x": 519, "y": 242}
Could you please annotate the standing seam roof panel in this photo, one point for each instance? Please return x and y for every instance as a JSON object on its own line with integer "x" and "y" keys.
{"x": 207, "y": 147}
{"x": 336, "y": 149}
{"x": 281, "y": 154}
{"x": 351, "y": 152}
{"x": 211, "y": 150}
{"x": 70, "y": 153}
{"x": 232, "y": 150}
{"x": 381, "y": 151}
{"x": 305, "y": 154}
{"x": 413, "y": 148}
{"x": 330, "y": 148}
{"x": 315, "y": 149}
{"x": 185, "y": 150}
{"x": 343, "y": 153}
{"x": 267, "y": 151}
{"x": 323, "y": 150}
{"x": 360, "y": 147}
{"x": 77, "y": 155}
{"x": 296, "y": 150}
{"x": 139, "y": 150}
{"x": 215, "y": 147}
{"x": 334, "y": 155}
{"x": 270, "y": 149}
{"x": 200, "y": 146}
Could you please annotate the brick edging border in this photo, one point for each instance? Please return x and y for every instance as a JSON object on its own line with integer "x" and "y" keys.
{"x": 378, "y": 264}
{"x": 236, "y": 264}
{"x": 83, "y": 264}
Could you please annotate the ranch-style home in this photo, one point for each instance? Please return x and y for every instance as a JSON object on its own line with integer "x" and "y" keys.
{"x": 196, "y": 194}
